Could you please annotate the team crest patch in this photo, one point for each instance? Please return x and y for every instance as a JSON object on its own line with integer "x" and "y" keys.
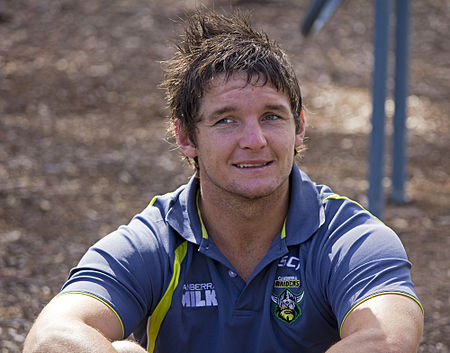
{"x": 286, "y": 306}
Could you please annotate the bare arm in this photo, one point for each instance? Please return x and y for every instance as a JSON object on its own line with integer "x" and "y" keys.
{"x": 74, "y": 323}
{"x": 388, "y": 323}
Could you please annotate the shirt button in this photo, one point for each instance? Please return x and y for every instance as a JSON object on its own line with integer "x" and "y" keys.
{"x": 232, "y": 274}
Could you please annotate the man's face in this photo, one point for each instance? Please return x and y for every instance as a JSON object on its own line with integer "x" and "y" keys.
{"x": 245, "y": 138}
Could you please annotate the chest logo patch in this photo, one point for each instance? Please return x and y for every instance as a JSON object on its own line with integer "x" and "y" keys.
{"x": 197, "y": 295}
{"x": 287, "y": 307}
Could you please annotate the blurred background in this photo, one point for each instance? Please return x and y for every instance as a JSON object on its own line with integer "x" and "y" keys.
{"x": 83, "y": 132}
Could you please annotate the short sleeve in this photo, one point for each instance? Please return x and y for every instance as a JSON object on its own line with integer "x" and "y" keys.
{"x": 123, "y": 270}
{"x": 365, "y": 258}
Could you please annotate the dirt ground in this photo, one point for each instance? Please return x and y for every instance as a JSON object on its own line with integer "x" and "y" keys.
{"x": 82, "y": 133}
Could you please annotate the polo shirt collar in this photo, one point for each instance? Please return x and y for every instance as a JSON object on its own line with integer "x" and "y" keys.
{"x": 305, "y": 215}
{"x": 183, "y": 215}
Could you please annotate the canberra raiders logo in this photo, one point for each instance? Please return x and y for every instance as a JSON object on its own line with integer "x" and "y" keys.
{"x": 287, "y": 308}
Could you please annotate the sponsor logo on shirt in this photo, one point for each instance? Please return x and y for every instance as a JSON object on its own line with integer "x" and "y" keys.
{"x": 287, "y": 291}
{"x": 290, "y": 261}
{"x": 287, "y": 282}
{"x": 197, "y": 295}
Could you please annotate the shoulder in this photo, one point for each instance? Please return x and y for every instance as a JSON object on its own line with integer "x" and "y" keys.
{"x": 352, "y": 243}
{"x": 357, "y": 257}
{"x": 340, "y": 208}
{"x": 350, "y": 230}
{"x": 344, "y": 216}
{"x": 146, "y": 242}
{"x": 153, "y": 226}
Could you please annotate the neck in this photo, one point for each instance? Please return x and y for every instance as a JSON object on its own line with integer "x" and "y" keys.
{"x": 242, "y": 215}
{"x": 243, "y": 228}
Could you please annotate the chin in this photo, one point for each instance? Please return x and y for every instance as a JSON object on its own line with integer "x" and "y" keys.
{"x": 255, "y": 193}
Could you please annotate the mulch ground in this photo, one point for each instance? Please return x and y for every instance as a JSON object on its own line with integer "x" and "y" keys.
{"x": 82, "y": 133}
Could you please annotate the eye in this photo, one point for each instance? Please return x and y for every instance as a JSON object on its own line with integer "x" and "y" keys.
{"x": 224, "y": 121}
{"x": 271, "y": 117}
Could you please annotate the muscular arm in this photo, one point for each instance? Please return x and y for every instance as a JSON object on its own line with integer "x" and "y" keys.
{"x": 74, "y": 323}
{"x": 388, "y": 323}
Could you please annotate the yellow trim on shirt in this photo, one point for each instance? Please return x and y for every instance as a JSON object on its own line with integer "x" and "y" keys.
{"x": 102, "y": 301}
{"x": 338, "y": 197}
{"x": 373, "y": 296}
{"x": 283, "y": 230}
{"x": 158, "y": 315}
{"x": 153, "y": 201}
{"x": 204, "y": 231}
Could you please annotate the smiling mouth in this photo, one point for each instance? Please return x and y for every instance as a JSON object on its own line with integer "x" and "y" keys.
{"x": 251, "y": 165}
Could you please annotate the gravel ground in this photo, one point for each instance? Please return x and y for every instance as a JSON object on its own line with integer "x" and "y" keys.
{"x": 82, "y": 133}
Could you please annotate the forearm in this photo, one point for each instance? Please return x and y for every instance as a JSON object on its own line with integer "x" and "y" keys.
{"x": 67, "y": 337}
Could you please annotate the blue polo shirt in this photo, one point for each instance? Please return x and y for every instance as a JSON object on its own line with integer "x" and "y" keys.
{"x": 170, "y": 286}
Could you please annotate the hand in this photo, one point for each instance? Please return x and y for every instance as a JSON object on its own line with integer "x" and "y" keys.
{"x": 127, "y": 347}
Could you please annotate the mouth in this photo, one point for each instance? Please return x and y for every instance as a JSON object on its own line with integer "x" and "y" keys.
{"x": 251, "y": 165}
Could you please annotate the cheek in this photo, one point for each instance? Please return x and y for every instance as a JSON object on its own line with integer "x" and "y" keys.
{"x": 209, "y": 153}
{"x": 215, "y": 145}
{"x": 286, "y": 144}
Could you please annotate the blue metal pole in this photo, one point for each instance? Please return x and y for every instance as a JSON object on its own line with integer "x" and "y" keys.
{"x": 377, "y": 141}
{"x": 399, "y": 155}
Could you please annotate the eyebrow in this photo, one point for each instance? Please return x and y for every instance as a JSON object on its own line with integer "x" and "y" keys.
{"x": 278, "y": 107}
{"x": 223, "y": 110}
{"x": 230, "y": 109}
{"x": 217, "y": 113}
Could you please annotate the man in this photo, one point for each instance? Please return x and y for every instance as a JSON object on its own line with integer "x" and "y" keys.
{"x": 250, "y": 255}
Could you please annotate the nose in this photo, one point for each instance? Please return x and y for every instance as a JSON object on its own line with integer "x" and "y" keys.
{"x": 252, "y": 136}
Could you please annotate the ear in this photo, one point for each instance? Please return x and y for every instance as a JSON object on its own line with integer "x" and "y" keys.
{"x": 300, "y": 134}
{"x": 184, "y": 142}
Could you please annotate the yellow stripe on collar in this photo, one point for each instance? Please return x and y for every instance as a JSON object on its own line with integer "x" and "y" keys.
{"x": 204, "y": 232}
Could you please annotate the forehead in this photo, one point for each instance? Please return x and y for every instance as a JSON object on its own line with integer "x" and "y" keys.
{"x": 236, "y": 80}
{"x": 239, "y": 88}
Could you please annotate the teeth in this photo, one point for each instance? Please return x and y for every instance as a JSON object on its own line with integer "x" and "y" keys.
{"x": 251, "y": 165}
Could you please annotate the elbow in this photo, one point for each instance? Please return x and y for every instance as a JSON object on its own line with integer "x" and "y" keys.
{"x": 389, "y": 343}
{"x": 46, "y": 338}
{"x": 377, "y": 340}
{"x": 397, "y": 347}
{"x": 403, "y": 341}
{"x": 38, "y": 340}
